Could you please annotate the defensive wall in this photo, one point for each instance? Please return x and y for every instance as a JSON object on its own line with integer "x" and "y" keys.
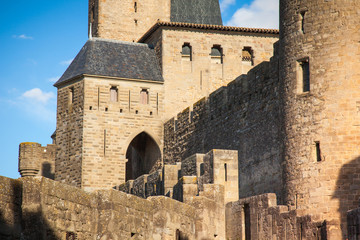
{"x": 244, "y": 116}
{"x": 40, "y": 208}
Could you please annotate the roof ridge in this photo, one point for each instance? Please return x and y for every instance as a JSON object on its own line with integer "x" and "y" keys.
{"x": 207, "y": 26}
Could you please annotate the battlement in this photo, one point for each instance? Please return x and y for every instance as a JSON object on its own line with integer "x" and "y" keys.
{"x": 37, "y": 160}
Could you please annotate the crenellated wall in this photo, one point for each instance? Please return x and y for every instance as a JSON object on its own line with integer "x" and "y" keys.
{"x": 242, "y": 116}
{"x": 36, "y": 160}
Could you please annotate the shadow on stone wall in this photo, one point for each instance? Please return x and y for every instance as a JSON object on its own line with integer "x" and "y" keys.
{"x": 17, "y": 222}
{"x": 348, "y": 191}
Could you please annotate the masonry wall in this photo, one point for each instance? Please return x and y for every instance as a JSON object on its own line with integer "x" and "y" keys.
{"x": 188, "y": 79}
{"x": 243, "y": 116}
{"x": 120, "y": 20}
{"x": 328, "y": 114}
{"x": 259, "y": 217}
{"x": 10, "y": 208}
{"x": 69, "y": 133}
{"x": 109, "y": 127}
{"x": 40, "y": 208}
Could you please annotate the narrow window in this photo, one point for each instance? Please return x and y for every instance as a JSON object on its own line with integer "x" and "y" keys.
{"x": 318, "y": 152}
{"x": 92, "y": 14}
{"x": 135, "y": 6}
{"x": 113, "y": 94}
{"x": 216, "y": 54}
{"x": 144, "y": 96}
{"x": 304, "y": 74}
{"x": 246, "y": 222}
{"x": 247, "y": 55}
{"x": 302, "y": 18}
{"x": 186, "y": 52}
{"x": 225, "y": 168}
{"x": 71, "y": 95}
{"x": 136, "y": 21}
{"x": 71, "y": 236}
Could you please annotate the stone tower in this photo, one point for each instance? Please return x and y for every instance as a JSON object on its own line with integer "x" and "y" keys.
{"x": 320, "y": 54}
{"x": 128, "y": 20}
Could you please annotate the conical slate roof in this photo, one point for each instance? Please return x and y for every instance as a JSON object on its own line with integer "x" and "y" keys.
{"x": 110, "y": 58}
{"x": 196, "y": 11}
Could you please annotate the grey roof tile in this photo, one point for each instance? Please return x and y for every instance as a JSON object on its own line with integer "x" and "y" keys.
{"x": 110, "y": 58}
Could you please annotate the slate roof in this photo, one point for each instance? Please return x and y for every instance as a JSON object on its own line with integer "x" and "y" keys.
{"x": 112, "y": 58}
{"x": 159, "y": 24}
{"x": 196, "y": 11}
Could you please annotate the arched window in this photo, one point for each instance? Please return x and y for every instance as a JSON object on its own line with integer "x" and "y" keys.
{"x": 247, "y": 55}
{"x": 216, "y": 54}
{"x": 186, "y": 52}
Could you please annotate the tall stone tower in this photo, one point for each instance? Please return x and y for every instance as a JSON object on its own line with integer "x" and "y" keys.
{"x": 320, "y": 53}
{"x": 128, "y": 20}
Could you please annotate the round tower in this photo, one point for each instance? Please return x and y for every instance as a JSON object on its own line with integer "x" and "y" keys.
{"x": 320, "y": 77}
{"x": 29, "y": 157}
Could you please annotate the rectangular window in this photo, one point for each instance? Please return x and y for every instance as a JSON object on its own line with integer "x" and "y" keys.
{"x": 302, "y": 18}
{"x": 318, "y": 152}
{"x": 225, "y": 168}
{"x": 71, "y": 95}
{"x": 113, "y": 94}
{"x": 304, "y": 75}
{"x": 246, "y": 227}
{"x": 144, "y": 96}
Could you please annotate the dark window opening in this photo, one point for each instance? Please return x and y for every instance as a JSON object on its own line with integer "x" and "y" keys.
{"x": 144, "y": 96}
{"x": 187, "y": 51}
{"x": 135, "y": 7}
{"x": 71, "y": 236}
{"x": 136, "y": 21}
{"x": 225, "y": 168}
{"x": 121, "y": 110}
{"x": 92, "y": 14}
{"x": 302, "y": 16}
{"x": 180, "y": 235}
{"x": 247, "y": 55}
{"x": 113, "y": 94}
{"x": 305, "y": 75}
{"x": 318, "y": 152}
{"x": 217, "y": 53}
{"x": 143, "y": 155}
{"x": 247, "y": 221}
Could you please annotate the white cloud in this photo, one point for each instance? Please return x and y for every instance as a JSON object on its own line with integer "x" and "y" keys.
{"x": 54, "y": 79}
{"x": 259, "y": 14}
{"x": 66, "y": 62}
{"x": 23, "y": 36}
{"x": 224, "y": 4}
{"x": 37, "y": 95}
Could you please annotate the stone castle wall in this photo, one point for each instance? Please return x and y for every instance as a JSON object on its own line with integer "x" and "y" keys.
{"x": 189, "y": 78}
{"x": 326, "y": 118}
{"x": 108, "y": 129}
{"x": 126, "y": 20}
{"x": 243, "y": 116}
{"x": 36, "y": 160}
{"x": 69, "y": 133}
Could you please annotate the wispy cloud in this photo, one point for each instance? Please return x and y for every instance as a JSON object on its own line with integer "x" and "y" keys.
{"x": 23, "y": 36}
{"x": 225, "y": 4}
{"x": 259, "y": 14}
{"x": 66, "y": 62}
{"x": 37, "y": 95}
{"x": 54, "y": 79}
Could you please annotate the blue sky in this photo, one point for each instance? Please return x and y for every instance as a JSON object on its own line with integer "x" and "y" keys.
{"x": 38, "y": 39}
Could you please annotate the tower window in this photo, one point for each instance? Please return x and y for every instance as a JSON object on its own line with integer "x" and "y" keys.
{"x": 216, "y": 54}
{"x": 247, "y": 55}
{"x": 71, "y": 95}
{"x": 92, "y": 14}
{"x": 304, "y": 74}
{"x": 302, "y": 19}
{"x": 186, "y": 52}
{"x": 318, "y": 152}
{"x": 113, "y": 94}
{"x": 144, "y": 96}
{"x": 135, "y": 6}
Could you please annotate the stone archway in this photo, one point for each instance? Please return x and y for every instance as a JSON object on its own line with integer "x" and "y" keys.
{"x": 143, "y": 155}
